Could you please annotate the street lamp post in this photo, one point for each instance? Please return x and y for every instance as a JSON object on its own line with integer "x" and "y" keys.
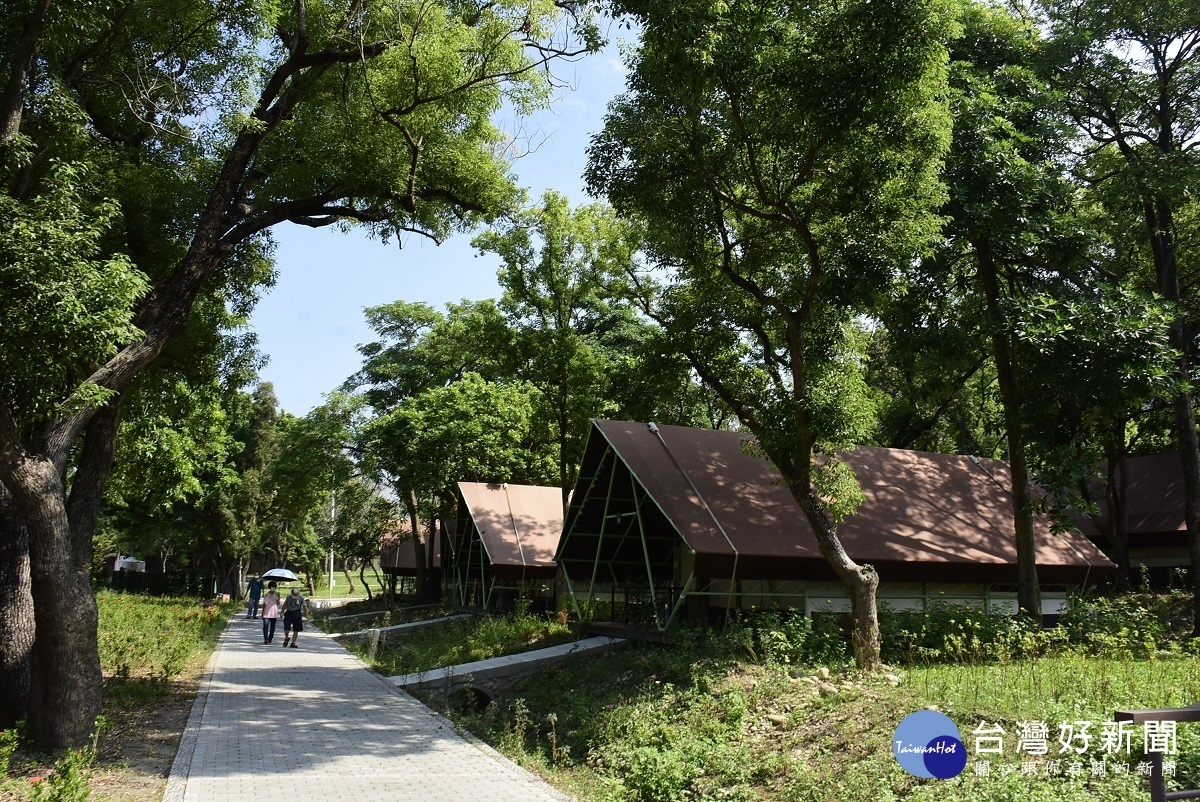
{"x": 332, "y": 520}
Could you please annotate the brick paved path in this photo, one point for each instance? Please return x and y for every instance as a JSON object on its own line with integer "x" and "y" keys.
{"x": 313, "y": 723}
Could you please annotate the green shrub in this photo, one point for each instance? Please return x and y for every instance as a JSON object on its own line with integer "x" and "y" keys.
{"x": 1117, "y": 626}
{"x": 785, "y": 637}
{"x": 69, "y": 780}
{"x": 962, "y": 633}
{"x": 9, "y": 740}
{"x": 651, "y": 774}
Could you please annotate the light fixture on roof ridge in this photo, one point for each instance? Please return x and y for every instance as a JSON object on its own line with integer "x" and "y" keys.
{"x": 653, "y": 427}
{"x": 973, "y": 458}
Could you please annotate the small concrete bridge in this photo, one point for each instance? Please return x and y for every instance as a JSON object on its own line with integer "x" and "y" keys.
{"x": 360, "y": 633}
{"x": 489, "y": 678}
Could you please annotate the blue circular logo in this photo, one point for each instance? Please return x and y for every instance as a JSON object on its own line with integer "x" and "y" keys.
{"x": 927, "y": 744}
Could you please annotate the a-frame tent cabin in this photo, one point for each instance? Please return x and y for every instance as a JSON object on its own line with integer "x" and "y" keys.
{"x": 503, "y": 540}
{"x": 673, "y": 521}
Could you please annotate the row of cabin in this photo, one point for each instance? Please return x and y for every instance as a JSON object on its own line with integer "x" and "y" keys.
{"x": 667, "y": 522}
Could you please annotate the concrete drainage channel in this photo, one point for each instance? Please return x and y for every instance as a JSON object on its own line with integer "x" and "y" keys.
{"x": 374, "y": 632}
{"x": 486, "y": 679}
{"x": 483, "y": 680}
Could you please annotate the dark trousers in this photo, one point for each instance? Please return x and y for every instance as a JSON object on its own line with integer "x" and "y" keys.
{"x": 252, "y": 607}
{"x": 268, "y": 629}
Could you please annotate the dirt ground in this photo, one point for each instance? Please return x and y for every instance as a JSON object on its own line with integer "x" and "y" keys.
{"x": 135, "y": 754}
{"x": 135, "y": 757}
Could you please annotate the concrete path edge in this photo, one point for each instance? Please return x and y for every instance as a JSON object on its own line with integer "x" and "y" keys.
{"x": 181, "y": 766}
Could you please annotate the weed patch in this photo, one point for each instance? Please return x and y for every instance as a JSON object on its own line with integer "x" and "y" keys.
{"x": 365, "y": 615}
{"x": 146, "y": 645}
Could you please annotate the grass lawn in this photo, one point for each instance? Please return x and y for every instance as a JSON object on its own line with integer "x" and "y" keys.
{"x": 709, "y": 718}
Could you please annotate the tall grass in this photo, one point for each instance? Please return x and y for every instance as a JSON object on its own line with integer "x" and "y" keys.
{"x": 147, "y": 641}
{"x": 364, "y": 615}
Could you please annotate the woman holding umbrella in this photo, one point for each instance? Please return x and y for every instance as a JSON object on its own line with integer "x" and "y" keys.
{"x": 270, "y": 612}
{"x": 278, "y": 575}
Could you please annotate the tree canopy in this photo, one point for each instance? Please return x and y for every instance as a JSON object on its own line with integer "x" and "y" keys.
{"x": 151, "y": 146}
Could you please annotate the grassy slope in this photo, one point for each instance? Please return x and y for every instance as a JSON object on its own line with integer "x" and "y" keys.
{"x": 660, "y": 724}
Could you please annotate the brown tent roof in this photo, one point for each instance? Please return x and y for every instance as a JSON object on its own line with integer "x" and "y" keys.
{"x": 926, "y": 517}
{"x": 520, "y": 526}
{"x": 1156, "y": 500}
{"x": 396, "y": 550}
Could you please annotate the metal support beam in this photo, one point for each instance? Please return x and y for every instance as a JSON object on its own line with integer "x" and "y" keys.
{"x": 683, "y": 594}
{"x": 637, "y": 514}
{"x": 612, "y": 476}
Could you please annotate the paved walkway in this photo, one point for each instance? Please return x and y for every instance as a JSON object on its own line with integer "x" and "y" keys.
{"x": 314, "y": 723}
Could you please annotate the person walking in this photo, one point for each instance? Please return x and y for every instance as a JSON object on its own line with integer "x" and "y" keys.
{"x": 270, "y": 613}
{"x": 256, "y": 586}
{"x": 294, "y": 606}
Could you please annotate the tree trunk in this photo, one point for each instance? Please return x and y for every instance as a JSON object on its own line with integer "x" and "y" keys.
{"x": 1117, "y": 497}
{"x": 65, "y": 686}
{"x": 362, "y": 577}
{"x": 433, "y": 590}
{"x": 1029, "y": 593}
{"x": 1189, "y": 452}
{"x": 1160, "y": 226}
{"x": 16, "y": 615}
{"x": 349, "y": 578}
{"x": 421, "y": 575}
{"x": 563, "y": 427}
{"x": 13, "y": 102}
{"x": 379, "y": 579}
{"x": 861, "y": 581}
{"x": 65, "y": 683}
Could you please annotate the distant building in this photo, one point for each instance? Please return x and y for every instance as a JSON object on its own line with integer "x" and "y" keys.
{"x": 397, "y": 557}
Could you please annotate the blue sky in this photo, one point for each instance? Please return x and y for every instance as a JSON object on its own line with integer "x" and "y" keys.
{"x": 310, "y": 323}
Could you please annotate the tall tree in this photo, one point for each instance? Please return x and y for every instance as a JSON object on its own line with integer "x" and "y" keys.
{"x": 248, "y": 502}
{"x": 784, "y": 158}
{"x": 1129, "y": 72}
{"x": 436, "y": 381}
{"x": 564, "y": 280}
{"x": 1006, "y": 194}
{"x": 363, "y": 516}
{"x": 148, "y": 147}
